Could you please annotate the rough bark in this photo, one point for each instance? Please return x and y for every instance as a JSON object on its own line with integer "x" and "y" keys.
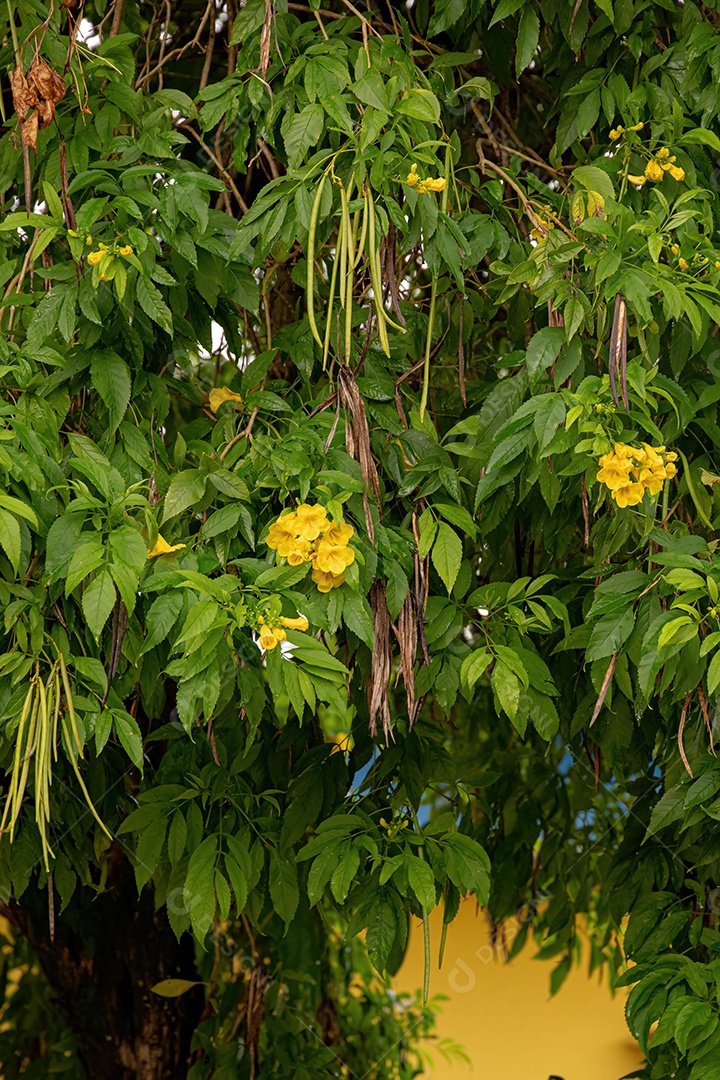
{"x": 107, "y": 954}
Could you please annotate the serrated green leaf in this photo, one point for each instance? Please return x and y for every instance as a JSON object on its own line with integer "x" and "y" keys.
{"x": 447, "y": 554}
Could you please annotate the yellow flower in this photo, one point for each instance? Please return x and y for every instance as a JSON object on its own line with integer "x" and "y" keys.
{"x": 623, "y": 451}
{"x": 282, "y": 535}
{"x": 300, "y": 553}
{"x": 338, "y": 534}
{"x": 717, "y": 265}
{"x": 296, "y": 624}
{"x": 267, "y": 639}
{"x": 615, "y": 133}
{"x": 103, "y": 247}
{"x": 653, "y": 171}
{"x": 219, "y": 394}
{"x": 637, "y": 127}
{"x": 325, "y": 581}
{"x": 671, "y": 455}
{"x": 676, "y": 173}
{"x": 94, "y": 257}
{"x": 614, "y": 473}
{"x": 670, "y": 469}
{"x": 163, "y": 548}
{"x": 654, "y": 455}
{"x": 662, "y": 154}
{"x": 72, "y": 232}
{"x": 88, "y": 241}
{"x": 683, "y": 264}
{"x": 412, "y": 176}
{"x": 333, "y": 559}
{"x": 637, "y": 180}
{"x": 431, "y": 185}
{"x": 675, "y": 249}
{"x": 311, "y": 521}
{"x": 127, "y": 250}
{"x": 629, "y": 494}
{"x": 653, "y": 480}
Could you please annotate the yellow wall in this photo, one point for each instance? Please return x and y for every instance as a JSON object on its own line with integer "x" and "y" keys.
{"x": 503, "y": 1014}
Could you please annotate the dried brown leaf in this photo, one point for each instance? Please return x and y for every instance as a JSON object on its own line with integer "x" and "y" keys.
{"x": 23, "y": 95}
{"x": 381, "y": 666}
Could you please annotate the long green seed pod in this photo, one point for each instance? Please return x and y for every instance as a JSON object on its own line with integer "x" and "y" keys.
{"x": 56, "y": 675}
{"x": 15, "y": 774}
{"x": 346, "y": 283}
{"x": 80, "y": 780}
{"x": 70, "y": 704}
{"x": 433, "y": 295}
{"x": 331, "y": 298}
{"x": 30, "y": 746}
{"x": 310, "y": 298}
{"x": 363, "y": 234}
{"x": 374, "y": 260}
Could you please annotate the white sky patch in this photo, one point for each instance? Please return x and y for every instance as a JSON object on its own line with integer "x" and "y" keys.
{"x": 88, "y": 35}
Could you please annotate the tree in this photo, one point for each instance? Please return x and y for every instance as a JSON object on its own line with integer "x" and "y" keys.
{"x": 357, "y": 537}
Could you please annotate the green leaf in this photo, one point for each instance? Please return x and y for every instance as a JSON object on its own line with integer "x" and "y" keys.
{"x": 177, "y": 837}
{"x": 420, "y": 104}
{"x": 301, "y": 132}
{"x": 186, "y": 489}
{"x": 111, "y": 378}
{"x": 148, "y": 851}
{"x": 381, "y": 935}
{"x": 150, "y": 300}
{"x": 592, "y": 178}
{"x": 358, "y": 617}
{"x": 609, "y": 634}
{"x": 128, "y": 732}
{"x": 713, "y": 674}
{"x": 527, "y": 39}
{"x": 543, "y": 349}
{"x": 701, "y": 137}
{"x": 10, "y": 538}
{"x": 344, "y": 874}
{"x": 19, "y": 508}
{"x": 172, "y": 988}
{"x": 284, "y": 891}
{"x": 474, "y": 667}
{"x": 86, "y": 557}
{"x": 396, "y": 588}
{"x": 505, "y": 9}
{"x": 239, "y": 882}
{"x": 199, "y": 888}
{"x": 322, "y": 870}
{"x": 161, "y": 618}
{"x": 447, "y": 554}
{"x": 98, "y": 600}
{"x": 422, "y": 881}
{"x": 506, "y": 685}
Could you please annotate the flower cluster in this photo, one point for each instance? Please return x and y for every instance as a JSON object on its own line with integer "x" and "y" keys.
{"x": 269, "y": 636}
{"x": 308, "y": 535}
{"x": 617, "y": 132}
{"x": 629, "y": 472}
{"x": 662, "y": 162}
{"x": 423, "y": 186}
{"x": 95, "y": 256}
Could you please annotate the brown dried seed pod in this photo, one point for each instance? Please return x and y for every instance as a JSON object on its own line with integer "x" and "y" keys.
{"x": 48, "y": 84}
{"x": 24, "y": 96}
{"x": 30, "y": 130}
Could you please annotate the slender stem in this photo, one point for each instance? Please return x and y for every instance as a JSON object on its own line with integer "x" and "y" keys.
{"x": 426, "y": 920}
{"x": 13, "y": 31}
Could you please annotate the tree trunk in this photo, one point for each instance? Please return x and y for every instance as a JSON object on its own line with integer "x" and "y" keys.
{"x": 105, "y": 958}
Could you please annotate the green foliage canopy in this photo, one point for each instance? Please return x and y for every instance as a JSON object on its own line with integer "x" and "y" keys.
{"x": 424, "y": 268}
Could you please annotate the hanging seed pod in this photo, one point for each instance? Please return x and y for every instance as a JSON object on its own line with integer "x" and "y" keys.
{"x": 310, "y": 299}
